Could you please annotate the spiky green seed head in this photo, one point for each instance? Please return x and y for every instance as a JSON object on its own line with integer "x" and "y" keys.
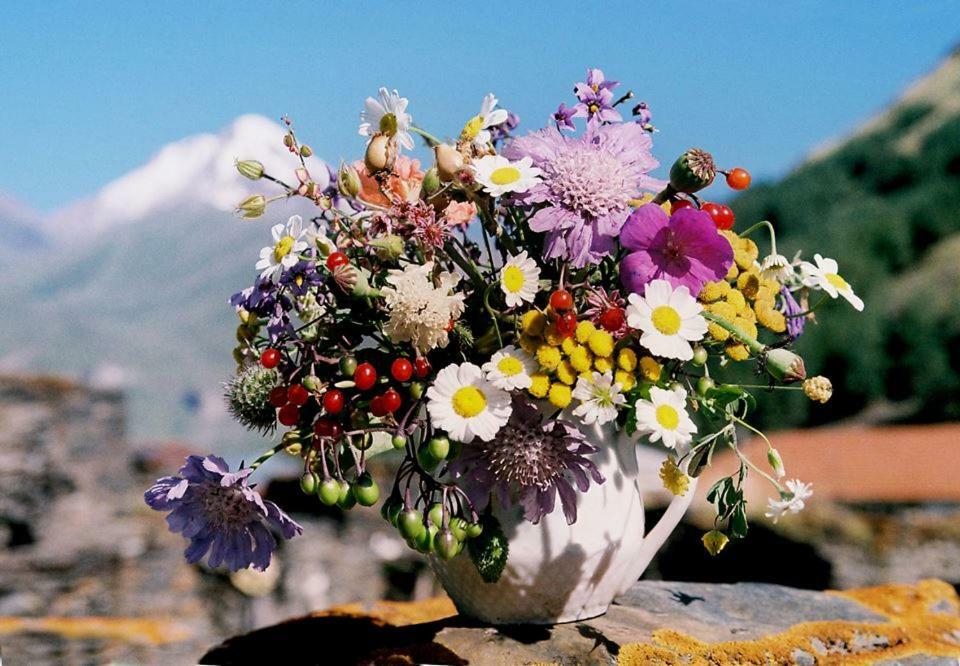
{"x": 247, "y": 395}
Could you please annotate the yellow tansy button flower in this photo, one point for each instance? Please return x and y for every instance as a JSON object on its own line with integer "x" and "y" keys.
{"x": 581, "y": 359}
{"x": 533, "y": 322}
{"x": 603, "y": 364}
{"x": 600, "y": 343}
{"x": 584, "y": 330}
{"x": 566, "y": 373}
{"x": 560, "y": 395}
{"x": 540, "y": 385}
{"x": 626, "y": 380}
{"x": 548, "y": 357}
{"x": 650, "y": 369}
{"x": 627, "y": 360}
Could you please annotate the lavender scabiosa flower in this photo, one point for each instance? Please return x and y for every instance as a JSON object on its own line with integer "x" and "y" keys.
{"x": 596, "y": 97}
{"x": 586, "y": 183}
{"x": 529, "y": 463}
{"x": 684, "y": 249}
{"x": 219, "y": 513}
{"x": 790, "y": 309}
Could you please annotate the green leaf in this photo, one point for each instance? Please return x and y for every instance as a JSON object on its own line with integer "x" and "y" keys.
{"x": 738, "y": 523}
{"x": 700, "y": 458}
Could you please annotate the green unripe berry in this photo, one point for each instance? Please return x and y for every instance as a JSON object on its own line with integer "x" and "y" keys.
{"x": 308, "y": 482}
{"x": 474, "y": 530}
{"x": 445, "y": 545}
{"x": 329, "y": 491}
{"x": 346, "y": 498}
{"x": 675, "y": 386}
{"x": 424, "y": 541}
{"x": 426, "y": 459}
{"x": 410, "y": 522}
{"x": 458, "y": 526}
{"x": 363, "y": 441}
{"x": 439, "y": 447}
{"x": 366, "y": 490}
{"x": 416, "y": 390}
{"x": 435, "y": 514}
{"x": 700, "y": 355}
{"x": 393, "y": 513}
{"x": 399, "y": 441}
{"x": 348, "y": 365}
{"x": 704, "y": 384}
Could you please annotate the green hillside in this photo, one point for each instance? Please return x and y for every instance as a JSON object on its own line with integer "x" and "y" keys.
{"x": 886, "y": 204}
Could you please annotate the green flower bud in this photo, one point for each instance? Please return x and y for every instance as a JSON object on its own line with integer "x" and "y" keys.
{"x": 388, "y": 247}
{"x": 311, "y": 383}
{"x": 252, "y": 207}
{"x": 431, "y": 181}
{"x": 776, "y": 462}
{"x": 693, "y": 171}
{"x": 348, "y": 181}
{"x": 785, "y": 366}
{"x": 251, "y": 169}
{"x": 306, "y": 151}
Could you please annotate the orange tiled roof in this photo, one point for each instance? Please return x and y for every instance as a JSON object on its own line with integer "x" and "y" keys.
{"x": 918, "y": 463}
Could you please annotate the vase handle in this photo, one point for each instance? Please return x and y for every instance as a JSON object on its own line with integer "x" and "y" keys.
{"x": 656, "y": 537}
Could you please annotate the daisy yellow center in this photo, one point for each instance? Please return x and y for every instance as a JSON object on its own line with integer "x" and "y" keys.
{"x": 468, "y": 402}
{"x": 668, "y": 417}
{"x": 513, "y": 279}
{"x": 666, "y": 319}
{"x": 473, "y": 127}
{"x": 505, "y": 175}
{"x": 388, "y": 124}
{"x": 509, "y": 366}
{"x": 838, "y": 282}
{"x": 283, "y": 247}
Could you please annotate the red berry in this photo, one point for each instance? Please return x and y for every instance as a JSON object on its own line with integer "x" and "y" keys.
{"x": 327, "y": 428}
{"x": 298, "y": 395}
{"x": 378, "y": 406}
{"x": 561, "y": 299}
{"x": 421, "y": 367}
{"x": 567, "y": 324}
{"x": 612, "y": 319}
{"x": 270, "y": 358}
{"x": 289, "y": 415}
{"x": 365, "y": 376}
{"x": 680, "y": 204}
{"x": 402, "y": 370}
{"x": 450, "y": 325}
{"x": 722, "y": 215}
{"x": 333, "y": 401}
{"x": 278, "y": 397}
{"x": 738, "y": 179}
{"x": 336, "y": 260}
{"x": 391, "y": 401}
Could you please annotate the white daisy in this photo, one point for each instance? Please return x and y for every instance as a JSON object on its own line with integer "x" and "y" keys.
{"x": 388, "y": 115}
{"x": 498, "y": 175}
{"x": 316, "y": 236}
{"x": 510, "y": 368}
{"x": 466, "y": 405}
{"x": 599, "y": 398}
{"x": 776, "y": 267}
{"x": 288, "y": 243}
{"x": 477, "y": 128}
{"x": 669, "y": 318}
{"x": 520, "y": 279}
{"x": 825, "y": 275}
{"x": 792, "y": 501}
{"x": 664, "y": 417}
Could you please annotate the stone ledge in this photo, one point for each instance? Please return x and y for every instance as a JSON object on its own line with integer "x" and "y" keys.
{"x": 653, "y": 623}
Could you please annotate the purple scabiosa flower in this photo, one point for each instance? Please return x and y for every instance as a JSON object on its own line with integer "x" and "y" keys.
{"x": 596, "y": 99}
{"x": 219, "y": 513}
{"x": 529, "y": 463}
{"x": 563, "y": 117}
{"x": 586, "y": 183}
{"x": 684, "y": 249}
{"x": 790, "y": 309}
{"x": 643, "y": 116}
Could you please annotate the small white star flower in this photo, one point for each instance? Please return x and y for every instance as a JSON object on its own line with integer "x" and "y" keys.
{"x": 477, "y": 128}
{"x": 825, "y": 275}
{"x": 387, "y": 115}
{"x": 288, "y": 243}
{"x": 791, "y": 501}
{"x": 599, "y": 397}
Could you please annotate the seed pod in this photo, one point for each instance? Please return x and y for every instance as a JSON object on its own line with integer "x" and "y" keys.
{"x": 348, "y": 181}
{"x": 693, "y": 171}
{"x": 252, "y": 207}
{"x": 785, "y": 366}
{"x": 431, "y": 181}
{"x": 449, "y": 161}
{"x": 381, "y": 153}
{"x": 251, "y": 169}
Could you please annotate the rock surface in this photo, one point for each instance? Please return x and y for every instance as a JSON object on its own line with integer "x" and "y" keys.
{"x": 653, "y": 623}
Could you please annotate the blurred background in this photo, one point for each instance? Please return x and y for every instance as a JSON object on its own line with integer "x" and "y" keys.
{"x": 119, "y": 126}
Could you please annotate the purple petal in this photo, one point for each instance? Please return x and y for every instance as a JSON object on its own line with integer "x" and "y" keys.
{"x": 642, "y": 226}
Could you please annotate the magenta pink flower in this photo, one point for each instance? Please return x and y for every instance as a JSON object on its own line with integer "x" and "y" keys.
{"x": 683, "y": 249}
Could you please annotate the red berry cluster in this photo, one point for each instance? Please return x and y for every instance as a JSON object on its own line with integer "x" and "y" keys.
{"x": 288, "y": 400}
{"x": 565, "y": 318}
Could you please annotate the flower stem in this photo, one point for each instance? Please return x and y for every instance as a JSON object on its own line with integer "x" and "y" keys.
{"x": 823, "y": 299}
{"x": 431, "y": 139}
{"x": 266, "y": 455}
{"x": 763, "y": 223}
{"x": 464, "y": 264}
{"x": 750, "y": 342}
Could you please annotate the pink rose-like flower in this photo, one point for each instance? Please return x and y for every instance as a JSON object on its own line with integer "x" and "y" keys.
{"x": 403, "y": 184}
{"x": 459, "y": 213}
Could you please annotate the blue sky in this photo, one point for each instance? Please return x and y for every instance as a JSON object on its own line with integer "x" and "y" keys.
{"x": 91, "y": 90}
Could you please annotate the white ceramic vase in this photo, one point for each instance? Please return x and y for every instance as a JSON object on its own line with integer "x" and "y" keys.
{"x": 560, "y": 573}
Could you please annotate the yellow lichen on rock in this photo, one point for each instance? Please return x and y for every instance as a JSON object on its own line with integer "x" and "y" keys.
{"x": 917, "y": 625}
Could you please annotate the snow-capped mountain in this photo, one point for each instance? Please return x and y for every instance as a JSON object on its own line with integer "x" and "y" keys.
{"x": 194, "y": 172}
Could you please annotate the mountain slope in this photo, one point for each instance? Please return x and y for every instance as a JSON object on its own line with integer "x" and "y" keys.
{"x": 885, "y": 203}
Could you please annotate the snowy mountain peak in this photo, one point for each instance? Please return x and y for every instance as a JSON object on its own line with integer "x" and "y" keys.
{"x": 197, "y": 171}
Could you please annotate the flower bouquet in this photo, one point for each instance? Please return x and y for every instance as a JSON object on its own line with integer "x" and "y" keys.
{"x": 512, "y": 322}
